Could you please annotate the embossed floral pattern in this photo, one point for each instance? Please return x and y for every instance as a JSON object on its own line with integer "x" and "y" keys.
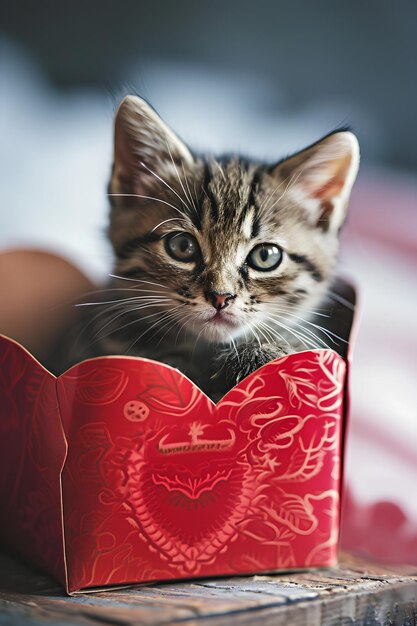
{"x": 161, "y": 483}
{"x": 32, "y": 452}
{"x": 197, "y": 489}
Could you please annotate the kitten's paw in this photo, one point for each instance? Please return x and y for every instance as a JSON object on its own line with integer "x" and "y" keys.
{"x": 234, "y": 365}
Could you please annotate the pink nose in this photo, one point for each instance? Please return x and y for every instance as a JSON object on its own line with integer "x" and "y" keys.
{"x": 219, "y": 300}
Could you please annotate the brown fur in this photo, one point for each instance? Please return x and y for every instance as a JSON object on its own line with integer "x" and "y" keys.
{"x": 229, "y": 206}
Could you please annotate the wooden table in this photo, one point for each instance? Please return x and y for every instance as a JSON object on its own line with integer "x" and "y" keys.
{"x": 355, "y": 593}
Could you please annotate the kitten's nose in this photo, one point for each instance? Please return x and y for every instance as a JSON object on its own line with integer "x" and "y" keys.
{"x": 219, "y": 300}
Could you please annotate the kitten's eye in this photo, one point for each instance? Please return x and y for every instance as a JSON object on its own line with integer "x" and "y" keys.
{"x": 182, "y": 247}
{"x": 265, "y": 257}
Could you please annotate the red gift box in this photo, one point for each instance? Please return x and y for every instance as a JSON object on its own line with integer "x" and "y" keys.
{"x": 123, "y": 471}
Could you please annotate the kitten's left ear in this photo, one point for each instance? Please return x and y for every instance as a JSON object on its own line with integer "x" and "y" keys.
{"x": 145, "y": 148}
{"x": 321, "y": 177}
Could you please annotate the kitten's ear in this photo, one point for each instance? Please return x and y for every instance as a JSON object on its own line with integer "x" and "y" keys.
{"x": 321, "y": 177}
{"x": 144, "y": 148}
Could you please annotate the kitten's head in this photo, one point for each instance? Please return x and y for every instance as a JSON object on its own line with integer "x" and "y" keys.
{"x": 224, "y": 247}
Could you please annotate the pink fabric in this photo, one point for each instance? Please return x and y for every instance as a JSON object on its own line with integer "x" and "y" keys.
{"x": 380, "y": 248}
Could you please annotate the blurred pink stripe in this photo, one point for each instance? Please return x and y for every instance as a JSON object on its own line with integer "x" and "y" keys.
{"x": 384, "y": 208}
{"x": 383, "y": 438}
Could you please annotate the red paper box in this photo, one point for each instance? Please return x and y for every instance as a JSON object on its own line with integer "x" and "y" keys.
{"x": 122, "y": 471}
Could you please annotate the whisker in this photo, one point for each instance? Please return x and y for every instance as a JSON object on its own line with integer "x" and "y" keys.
{"x": 137, "y": 195}
{"x": 165, "y": 183}
{"x": 307, "y": 335}
{"x": 254, "y": 333}
{"x": 203, "y": 328}
{"x": 90, "y": 323}
{"x": 163, "y": 315}
{"x": 170, "y": 326}
{"x": 189, "y": 190}
{"x": 75, "y": 301}
{"x": 297, "y": 334}
{"x": 119, "y": 328}
{"x": 275, "y": 334}
{"x": 186, "y": 318}
{"x": 178, "y": 175}
{"x": 171, "y": 219}
{"x": 258, "y": 327}
{"x": 317, "y": 340}
{"x": 325, "y": 331}
{"x": 338, "y": 298}
{"x": 121, "y": 300}
{"x": 137, "y": 280}
{"x": 234, "y": 347}
{"x": 288, "y": 307}
{"x": 127, "y": 311}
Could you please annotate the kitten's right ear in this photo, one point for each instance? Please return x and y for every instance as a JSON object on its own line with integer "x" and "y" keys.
{"x": 322, "y": 176}
{"x": 144, "y": 148}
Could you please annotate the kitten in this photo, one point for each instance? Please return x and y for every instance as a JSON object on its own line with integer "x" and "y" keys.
{"x": 218, "y": 261}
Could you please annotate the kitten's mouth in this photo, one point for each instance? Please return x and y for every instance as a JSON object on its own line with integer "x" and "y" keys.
{"x": 223, "y": 319}
{"x": 219, "y": 325}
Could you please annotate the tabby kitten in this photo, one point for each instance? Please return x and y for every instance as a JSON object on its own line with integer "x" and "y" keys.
{"x": 219, "y": 262}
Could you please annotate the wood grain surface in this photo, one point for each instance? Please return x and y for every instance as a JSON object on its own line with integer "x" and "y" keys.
{"x": 354, "y": 593}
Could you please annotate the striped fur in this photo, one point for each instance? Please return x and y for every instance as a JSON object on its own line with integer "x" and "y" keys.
{"x": 229, "y": 205}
